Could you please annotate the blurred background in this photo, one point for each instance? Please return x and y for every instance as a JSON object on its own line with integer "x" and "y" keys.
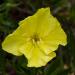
{"x": 13, "y": 11}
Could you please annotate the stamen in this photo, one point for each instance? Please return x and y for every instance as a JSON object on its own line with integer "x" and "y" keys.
{"x": 35, "y": 39}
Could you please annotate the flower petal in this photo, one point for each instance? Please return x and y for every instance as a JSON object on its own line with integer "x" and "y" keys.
{"x": 32, "y": 53}
{"x": 45, "y": 22}
{"x": 39, "y": 59}
{"x": 27, "y": 49}
{"x": 39, "y": 23}
{"x": 27, "y": 26}
{"x": 12, "y": 44}
{"x": 47, "y": 48}
{"x": 56, "y": 36}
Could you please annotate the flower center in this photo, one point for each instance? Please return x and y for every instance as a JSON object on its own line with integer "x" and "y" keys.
{"x": 35, "y": 38}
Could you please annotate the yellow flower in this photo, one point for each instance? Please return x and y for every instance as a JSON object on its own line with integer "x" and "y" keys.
{"x": 37, "y": 37}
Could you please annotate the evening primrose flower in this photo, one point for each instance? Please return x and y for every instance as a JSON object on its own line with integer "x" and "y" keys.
{"x": 37, "y": 37}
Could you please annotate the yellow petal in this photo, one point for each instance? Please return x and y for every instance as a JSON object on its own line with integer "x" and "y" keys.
{"x": 27, "y": 26}
{"x": 27, "y": 49}
{"x": 47, "y": 48}
{"x": 45, "y": 22}
{"x": 12, "y": 44}
{"x": 56, "y": 36}
{"x": 39, "y": 59}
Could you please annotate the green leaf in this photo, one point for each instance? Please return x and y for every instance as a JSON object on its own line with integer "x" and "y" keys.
{"x": 2, "y": 62}
{"x": 54, "y": 67}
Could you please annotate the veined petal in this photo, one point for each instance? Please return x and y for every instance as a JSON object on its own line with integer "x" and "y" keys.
{"x": 27, "y": 26}
{"x": 56, "y": 36}
{"x": 47, "y": 48}
{"x": 27, "y": 49}
{"x": 12, "y": 44}
{"x": 45, "y": 22}
{"x": 37, "y": 61}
